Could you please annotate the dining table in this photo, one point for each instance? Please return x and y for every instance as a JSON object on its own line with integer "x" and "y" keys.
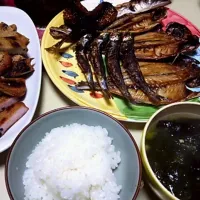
{"x": 51, "y": 98}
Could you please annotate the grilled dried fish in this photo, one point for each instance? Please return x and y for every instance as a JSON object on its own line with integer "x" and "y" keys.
{"x": 83, "y": 63}
{"x": 97, "y": 61}
{"x": 139, "y": 6}
{"x": 78, "y": 21}
{"x": 120, "y": 21}
{"x": 157, "y": 52}
{"x": 139, "y": 23}
{"x": 177, "y": 30}
{"x": 155, "y": 46}
{"x": 155, "y": 81}
{"x": 181, "y": 32}
{"x": 157, "y": 75}
{"x": 130, "y": 64}
{"x": 57, "y": 46}
{"x": 61, "y": 32}
{"x": 172, "y": 93}
{"x": 113, "y": 65}
{"x": 159, "y": 68}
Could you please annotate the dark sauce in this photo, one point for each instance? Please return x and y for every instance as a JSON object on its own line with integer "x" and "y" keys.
{"x": 173, "y": 151}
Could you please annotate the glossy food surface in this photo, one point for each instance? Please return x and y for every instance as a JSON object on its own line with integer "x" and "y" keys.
{"x": 173, "y": 147}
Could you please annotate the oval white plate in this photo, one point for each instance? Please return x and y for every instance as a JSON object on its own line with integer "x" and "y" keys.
{"x": 25, "y": 26}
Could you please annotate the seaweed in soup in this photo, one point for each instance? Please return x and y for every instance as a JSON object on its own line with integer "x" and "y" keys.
{"x": 174, "y": 155}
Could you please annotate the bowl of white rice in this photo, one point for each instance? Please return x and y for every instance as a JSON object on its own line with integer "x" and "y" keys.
{"x": 74, "y": 153}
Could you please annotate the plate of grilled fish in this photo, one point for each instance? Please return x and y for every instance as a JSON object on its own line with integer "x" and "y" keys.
{"x": 20, "y": 73}
{"x": 126, "y": 59}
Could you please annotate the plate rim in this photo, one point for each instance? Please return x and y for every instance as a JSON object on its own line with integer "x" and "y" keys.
{"x": 39, "y": 75}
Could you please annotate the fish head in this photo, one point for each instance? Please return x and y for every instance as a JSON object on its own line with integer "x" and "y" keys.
{"x": 179, "y": 31}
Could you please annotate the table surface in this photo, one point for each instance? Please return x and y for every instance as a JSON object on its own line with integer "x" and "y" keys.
{"x": 51, "y": 98}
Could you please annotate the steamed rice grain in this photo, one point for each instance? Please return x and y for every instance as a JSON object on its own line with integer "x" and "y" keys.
{"x": 74, "y": 162}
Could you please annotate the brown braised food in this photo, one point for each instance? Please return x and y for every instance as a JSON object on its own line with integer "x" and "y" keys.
{"x": 15, "y": 67}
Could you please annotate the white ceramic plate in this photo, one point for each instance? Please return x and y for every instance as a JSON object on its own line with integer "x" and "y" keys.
{"x": 25, "y": 26}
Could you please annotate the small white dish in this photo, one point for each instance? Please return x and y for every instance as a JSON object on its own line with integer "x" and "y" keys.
{"x": 25, "y": 26}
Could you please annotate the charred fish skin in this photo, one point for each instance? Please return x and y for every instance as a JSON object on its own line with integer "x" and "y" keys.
{"x": 83, "y": 63}
{"x": 178, "y": 30}
{"x": 97, "y": 61}
{"x": 131, "y": 65}
{"x": 181, "y": 32}
{"x": 112, "y": 56}
{"x": 139, "y": 23}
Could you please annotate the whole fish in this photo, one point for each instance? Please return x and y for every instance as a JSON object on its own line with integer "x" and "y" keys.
{"x": 130, "y": 64}
{"x": 140, "y": 6}
{"x": 157, "y": 75}
{"x": 171, "y": 93}
{"x": 159, "y": 68}
{"x": 139, "y": 23}
{"x": 155, "y": 81}
{"x": 61, "y": 32}
{"x": 181, "y": 32}
{"x": 83, "y": 63}
{"x": 156, "y": 45}
{"x": 95, "y": 57}
{"x": 113, "y": 65}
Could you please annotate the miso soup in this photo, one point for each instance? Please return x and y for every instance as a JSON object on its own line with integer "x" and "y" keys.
{"x": 173, "y": 151}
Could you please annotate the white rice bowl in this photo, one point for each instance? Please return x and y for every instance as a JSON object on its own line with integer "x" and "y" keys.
{"x": 74, "y": 162}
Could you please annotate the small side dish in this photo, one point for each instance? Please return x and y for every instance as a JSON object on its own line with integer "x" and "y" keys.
{"x": 15, "y": 67}
{"x": 74, "y": 153}
{"x": 73, "y": 162}
{"x": 173, "y": 151}
{"x": 170, "y": 151}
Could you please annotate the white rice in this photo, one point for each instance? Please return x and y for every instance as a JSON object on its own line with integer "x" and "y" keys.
{"x": 74, "y": 162}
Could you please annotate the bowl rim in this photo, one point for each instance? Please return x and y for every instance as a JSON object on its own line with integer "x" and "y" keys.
{"x": 71, "y": 108}
{"x": 144, "y": 158}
